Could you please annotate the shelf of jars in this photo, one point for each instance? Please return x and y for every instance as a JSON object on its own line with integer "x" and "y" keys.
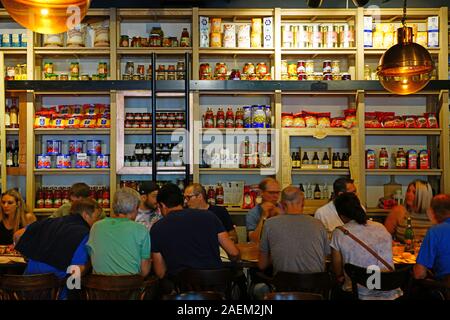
{"x": 402, "y": 132}
{"x": 150, "y": 50}
{"x": 70, "y": 171}
{"x": 405, "y": 172}
{"x": 81, "y": 51}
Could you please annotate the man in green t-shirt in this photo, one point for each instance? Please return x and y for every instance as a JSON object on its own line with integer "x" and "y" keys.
{"x": 118, "y": 245}
{"x": 78, "y": 191}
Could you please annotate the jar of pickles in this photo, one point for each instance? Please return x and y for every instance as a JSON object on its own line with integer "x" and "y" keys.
{"x": 155, "y": 40}
{"x": 221, "y": 69}
{"x": 205, "y": 71}
{"x": 160, "y": 72}
{"x": 74, "y": 69}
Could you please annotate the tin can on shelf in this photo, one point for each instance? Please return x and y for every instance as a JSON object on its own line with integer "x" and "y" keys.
{"x": 43, "y": 161}
{"x": 302, "y": 76}
{"x": 102, "y": 161}
{"x": 301, "y": 67}
{"x": 327, "y": 76}
{"x": 335, "y": 67}
{"x": 63, "y": 161}
{"x": 94, "y": 147}
{"x": 268, "y": 111}
{"x": 309, "y": 67}
{"x": 54, "y": 147}
{"x": 82, "y": 161}
{"x": 346, "y": 76}
{"x": 326, "y": 66}
{"x": 129, "y": 68}
{"x": 76, "y": 146}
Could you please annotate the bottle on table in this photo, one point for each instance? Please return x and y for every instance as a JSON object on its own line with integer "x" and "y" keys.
{"x": 409, "y": 236}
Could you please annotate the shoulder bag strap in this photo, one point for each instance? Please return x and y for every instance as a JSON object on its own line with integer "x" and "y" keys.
{"x": 365, "y": 246}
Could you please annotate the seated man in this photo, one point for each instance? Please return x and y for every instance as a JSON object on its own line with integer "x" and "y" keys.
{"x": 148, "y": 212}
{"x": 269, "y": 207}
{"x": 77, "y": 192}
{"x": 187, "y": 238}
{"x": 291, "y": 241}
{"x": 434, "y": 253}
{"x": 327, "y": 213}
{"x": 195, "y": 198}
{"x": 52, "y": 245}
{"x": 118, "y": 245}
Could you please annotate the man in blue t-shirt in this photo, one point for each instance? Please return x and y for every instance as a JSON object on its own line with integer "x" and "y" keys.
{"x": 52, "y": 245}
{"x": 270, "y": 194}
{"x": 186, "y": 238}
{"x": 435, "y": 250}
{"x": 195, "y": 198}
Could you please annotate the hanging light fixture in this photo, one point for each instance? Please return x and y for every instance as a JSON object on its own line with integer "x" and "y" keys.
{"x": 47, "y": 16}
{"x": 406, "y": 67}
{"x": 314, "y": 3}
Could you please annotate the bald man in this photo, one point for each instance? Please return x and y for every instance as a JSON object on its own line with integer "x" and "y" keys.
{"x": 291, "y": 241}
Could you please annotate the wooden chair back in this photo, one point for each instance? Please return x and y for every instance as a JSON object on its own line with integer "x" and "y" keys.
{"x": 293, "y": 296}
{"x": 317, "y": 282}
{"x": 29, "y": 287}
{"x": 218, "y": 280}
{"x": 102, "y": 287}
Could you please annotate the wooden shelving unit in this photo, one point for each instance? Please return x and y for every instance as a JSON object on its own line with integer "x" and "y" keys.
{"x": 356, "y": 57}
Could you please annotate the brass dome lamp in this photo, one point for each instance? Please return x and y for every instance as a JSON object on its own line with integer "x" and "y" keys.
{"x": 406, "y": 67}
{"x": 47, "y": 16}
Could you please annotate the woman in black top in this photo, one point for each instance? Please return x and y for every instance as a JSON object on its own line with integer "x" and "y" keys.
{"x": 13, "y": 215}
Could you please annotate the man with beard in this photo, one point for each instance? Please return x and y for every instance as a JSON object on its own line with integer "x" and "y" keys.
{"x": 148, "y": 212}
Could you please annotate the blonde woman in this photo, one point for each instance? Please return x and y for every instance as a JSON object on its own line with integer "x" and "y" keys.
{"x": 417, "y": 201}
{"x": 13, "y": 215}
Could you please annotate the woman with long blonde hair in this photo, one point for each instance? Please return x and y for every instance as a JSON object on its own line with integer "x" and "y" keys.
{"x": 13, "y": 215}
{"x": 417, "y": 201}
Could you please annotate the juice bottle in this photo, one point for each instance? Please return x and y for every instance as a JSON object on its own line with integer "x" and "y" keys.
{"x": 400, "y": 160}
{"x": 211, "y": 196}
{"x": 57, "y": 198}
{"x": 383, "y": 159}
{"x": 229, "y": 119}
{"x": 220, "y": 119}
{"x": 219, "y": 194}
{"x": 106, "y": 198}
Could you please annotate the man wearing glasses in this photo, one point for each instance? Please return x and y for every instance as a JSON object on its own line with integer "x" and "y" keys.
{"x": 327, "y": 213}
{"x": 269, "y": 207}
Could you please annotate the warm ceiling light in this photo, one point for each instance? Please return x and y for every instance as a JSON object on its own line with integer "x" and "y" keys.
{"x": 314, "y": 3}
{"x": 47, "y": 16}
{"x": 406, "y": 67}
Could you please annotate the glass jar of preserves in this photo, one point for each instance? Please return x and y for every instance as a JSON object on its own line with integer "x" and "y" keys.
{"x": 262, "y": 69}
{"x": 160, "y": 72}
{"x": 205, "y": 71}
{"x": 301, "y": 67}
{"x": 221, "y": 69}
{"x": 48, "y": 67}
{"x": 167, "y": 42}
{"x": 249, "y": 68}
{"x": 155, "y": 40}
{"x": 64, "y": 76}
{"x": 124, "y": 41}
{"x": 102, "y": 69}
{"x": 335, "y": 67}
{"x": 74, "y": 69}
{"x": 85, "y": 77}
{"x": 326, "y": 66}
{"x": 309, "y": 67}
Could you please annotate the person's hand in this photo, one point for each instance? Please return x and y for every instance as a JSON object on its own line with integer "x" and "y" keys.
{"x": 270, "y": 210}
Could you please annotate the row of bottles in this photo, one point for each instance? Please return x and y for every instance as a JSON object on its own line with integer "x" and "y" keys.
{"x": 11, "y": 113}
{"x": 136, "y": 184}
{"x": 317, "y": 192}
{"x": 55, "y": 196}
{"x": 337, "y": 161}
{"x": 403, "y": 160}
{"x": 12, "y": 154}
{"x": 216, "y": 195}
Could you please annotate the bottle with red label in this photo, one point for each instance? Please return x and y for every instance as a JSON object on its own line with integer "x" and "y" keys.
{"x": 40, "y": 201}
{"x": 248, "y": 199}
{"x": 400, "y": 160}
{"x": 412, "y": 159}
{"x": 65, "y": 196}
{"x": 424, "y": 159}
{"x": 229, "y": 119}
{"x": 57, "y": 198}
{"x": 106, "y": 198}
{"x": 211, "y": 196}
{"x": 48, "y": 202}
{"x": 383, "y": 159}
{"x": 239, "y": 119}
{"x": 209, "y": 118}
{"x": 100, "y": 196}
{"x": 219, "y": 194}
{"x": 220, "y": 119}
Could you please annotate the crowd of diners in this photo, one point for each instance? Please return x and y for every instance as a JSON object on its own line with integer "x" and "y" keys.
{"x": 162, "y": 231}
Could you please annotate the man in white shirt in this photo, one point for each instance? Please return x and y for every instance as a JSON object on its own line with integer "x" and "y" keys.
{"x": 327, "y": 213}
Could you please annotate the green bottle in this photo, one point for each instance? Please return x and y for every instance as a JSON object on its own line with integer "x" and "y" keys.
{"x": 409, "y": 236}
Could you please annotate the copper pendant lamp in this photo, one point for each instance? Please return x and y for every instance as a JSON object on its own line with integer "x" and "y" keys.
{"x": 47, "y": 16}
{"x": 406, "y": 67}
